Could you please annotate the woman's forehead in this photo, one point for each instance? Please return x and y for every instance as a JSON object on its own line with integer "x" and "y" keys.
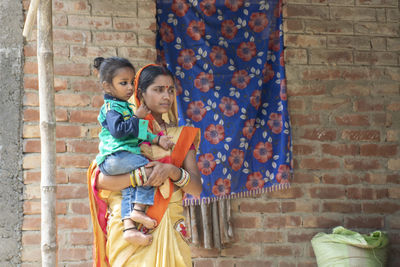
{"x": 163, "y": 81}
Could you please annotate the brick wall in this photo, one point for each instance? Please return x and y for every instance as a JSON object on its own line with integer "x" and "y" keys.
{"x": 342, "y": 66}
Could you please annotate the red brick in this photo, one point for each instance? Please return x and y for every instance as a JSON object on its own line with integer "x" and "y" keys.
{"x": 80, "y": 208}
{"x": 30, "y": 67}
{"x": 319, "y": 164}
{"x": 333, "y": 103}
{"x": 375, "y": 58}
{"x": 280, "y": 250}
{"x": 327, "y": 192}
{"x": 363, "y": 222}
{"x": 83, "y": 146}
{"x": 352, "y": 120}
{"x": 77, "y": 161}
{"x": 72, "y": 69}
{"x": 73, "y": 223}
{"x": 293, "y": 25}
{"x": 373, "y": 28}
{"x": 368, "y": 105}
{"x": 203, "y": 263}
{"x": 362, "y": 73}
{"x": 115, "y": 38}
{"x": 356, "y": 42}
{"x": 329, "y": 27}
{"x": 250, "y": 236}
{"x": 81, "y": 238}
{"x": 75, "y": 6}
{"x": 31, "y": 223}
{"x": 319, "y": 134}
{"x": 72, "y": 100}
{"x": 89, "y": 22}
{"x": 200, "y": 252}
{"x": 77, "y": 177}
{"x": 282, "y": 222}
{"x": 340, "y": 149}
{"x": 241, "y": 250}
{"x": 92, "y": 51}
{"x": 86, "y": 86}
{"x": 246, "y": 221}
{"x": 361, "y": 164}
{"x": 226, "y": 263}
{"x": 31, "y": 238}
{"x": 303, "y": 149}
{"x": 73, "y": 254}
{"x": 309, "y": 89}
{"x": 59, "y": 20}
{"x": 361, "y": 135}
{"x": 146, "y": 40}
{"x": 301, "y": 40}
{"x": 300, "y": 237}
{"x": 70, "y": 36}
{"x": 378, "y": 150}
{"x": 306, "y": 206}
{"x": 352, "y": 13}
{"x": 307, "y": 12}
{"x": 32, "y": 146}
{"x": 343, "y": 179}
{"x": 394, "y": 106}
{"x": 69, "y": 131}
{"x": 34, "y": 177}
{"x": 31, "y": 83}
{"x": 382, "y": 207}
{"x": 332, "y": 57}
{"x": 295, "y": 56}
{"x": 382, "y": 120}
{"x": 33, "y": 207}
{"x": 340, "y": 207}
{"x": 146, "y": 9}
{"x": 311, "y": 221}
{"x": 351, "y": 89}
{"x": 393, "y": 178}
{"x": 305, "y": 119}
{"x": 263, "y": 207}
{"x": 71, "y": 191}
{"x": 138, "y": 53}
{"x": 84, "y": 116}
{"x": 254, "y": 263}
{"x": 296, "y": 104}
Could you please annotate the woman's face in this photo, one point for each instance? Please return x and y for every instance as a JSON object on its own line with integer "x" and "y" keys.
{"x": 159, "y": 96}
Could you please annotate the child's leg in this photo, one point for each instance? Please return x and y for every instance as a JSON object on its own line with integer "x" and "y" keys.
{"x": 144, "y": 196}
{"x": 132, "y": 235}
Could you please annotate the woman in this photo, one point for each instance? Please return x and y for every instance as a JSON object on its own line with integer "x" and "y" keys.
{"x": 154, "y": 86}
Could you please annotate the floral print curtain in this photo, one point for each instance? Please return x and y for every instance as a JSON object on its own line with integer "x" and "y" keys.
{"x": 227, "y": 56}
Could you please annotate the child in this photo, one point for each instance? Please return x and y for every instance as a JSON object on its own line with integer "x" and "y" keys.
{"x": 122, "y": 132}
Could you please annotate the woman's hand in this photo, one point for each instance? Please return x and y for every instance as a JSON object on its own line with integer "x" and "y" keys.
{"x": 159, "y": 173}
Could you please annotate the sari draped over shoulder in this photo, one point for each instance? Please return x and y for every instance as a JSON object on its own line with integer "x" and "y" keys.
{"x": 169, "y": 247}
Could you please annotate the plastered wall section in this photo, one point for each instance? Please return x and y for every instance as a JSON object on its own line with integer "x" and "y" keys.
{"x": 11, "y": 75}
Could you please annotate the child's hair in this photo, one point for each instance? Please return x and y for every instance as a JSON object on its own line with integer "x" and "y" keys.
{"x": 150, "y": 73}
{"x": 107, "y": 67}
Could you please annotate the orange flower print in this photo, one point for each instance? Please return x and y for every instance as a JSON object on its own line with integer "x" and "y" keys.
{"x": 196, "y": 29}
{"x": 246, "y": 51}
{"x": 267, "y": 72}
{"x": 283, "y": 174}
{"x": 282, "y": 93}
{"x": 236, "y": 159}
{"x": 204, "y": 81}
{"x": 196, "y": 111}
{"x": 218, "y": 56}
{"x": 206, "y": 163}
{"x": 161, "y": 57}
{"x": 255, "y": 99}
{"x": 254, "y": 181}
{"x": 214, "y": 133}
{"x": 249, "y": 128}
{"x": 274, "y": 41}
{"x": 228, "y": 106}
{"x": 263, "y": 152}
{"x": 234, "y": 5}
{"x": 186, "y": 59}
{"x": 178, "y": 86}
{"x": 167, "y": 33}
{"x": 240, "y": 79}
{"x": 228, "y": 29}
{"x": 180, "y": 7}
{"x": 275, "y": 123}
{"x": 222, "y": 187}
{"x": 258, "y": 21}
{"x": 208, "y": 7}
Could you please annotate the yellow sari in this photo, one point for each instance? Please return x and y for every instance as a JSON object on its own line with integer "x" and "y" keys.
{"x": 170, "y": 246}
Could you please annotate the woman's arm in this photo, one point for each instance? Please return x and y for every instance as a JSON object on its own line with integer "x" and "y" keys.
{"x": 194, "y": 187}
{"x": 114, "y": 182}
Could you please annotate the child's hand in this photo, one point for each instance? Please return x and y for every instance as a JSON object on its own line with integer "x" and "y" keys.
{"x": 164, "y": 141}
{"x": 142, "y": 111}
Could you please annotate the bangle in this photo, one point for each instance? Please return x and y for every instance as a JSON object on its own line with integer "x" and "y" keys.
{"x": 138, "y": 177}
{"x": 131, "y": 175}
{"x": 143, "y": 172}
{"x": 184, "y": 179}
{"x": 158, "y": 140}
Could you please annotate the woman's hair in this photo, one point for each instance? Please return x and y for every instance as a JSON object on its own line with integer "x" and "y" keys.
{"x": 150, "y": 73}
{"x": 107, "y": 67}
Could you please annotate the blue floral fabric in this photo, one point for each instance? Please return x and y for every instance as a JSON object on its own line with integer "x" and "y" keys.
{"x": 227, "y": 56}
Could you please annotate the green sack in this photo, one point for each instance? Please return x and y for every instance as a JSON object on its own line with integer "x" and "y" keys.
{"x": 346, "y": 248}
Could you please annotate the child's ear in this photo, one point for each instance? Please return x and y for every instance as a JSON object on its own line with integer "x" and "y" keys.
{"x": 106, "y": 86}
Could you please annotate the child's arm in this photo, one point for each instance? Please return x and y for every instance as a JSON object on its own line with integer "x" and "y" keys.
{"x": 163, "y": 141}
{"x": 120, "y": 128}
{"x": 142, "y": 111}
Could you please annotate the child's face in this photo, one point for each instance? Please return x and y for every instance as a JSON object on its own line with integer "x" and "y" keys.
{"x": 122, "y": 84}
{"x": 159, "y": 96}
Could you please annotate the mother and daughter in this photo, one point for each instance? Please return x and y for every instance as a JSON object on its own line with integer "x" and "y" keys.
{"x": 145, "y": 164}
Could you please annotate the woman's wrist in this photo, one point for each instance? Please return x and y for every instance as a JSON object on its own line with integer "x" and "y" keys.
{"x": 175, "y": 173}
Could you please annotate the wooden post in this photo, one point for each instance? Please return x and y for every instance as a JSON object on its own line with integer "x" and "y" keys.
{"x": 47, "y": 134}
{"x": 30, "y": 18}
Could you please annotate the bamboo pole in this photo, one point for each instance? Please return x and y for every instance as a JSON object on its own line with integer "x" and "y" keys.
{"x": 47, "y": 134}
{"x": 215, "y": 226}
{"x": 30, "y": 18}
{"x": 206, "y": 221}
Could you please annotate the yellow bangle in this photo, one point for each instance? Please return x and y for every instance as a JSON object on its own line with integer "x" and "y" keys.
{"x": 132, "y": 180}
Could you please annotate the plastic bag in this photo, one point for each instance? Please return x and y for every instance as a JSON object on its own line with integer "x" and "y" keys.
{"x": 346, "y": 248}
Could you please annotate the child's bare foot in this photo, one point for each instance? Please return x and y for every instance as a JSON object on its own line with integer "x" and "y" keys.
{"x": 132, "y": 235}
{"x": 138, "y": 215}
